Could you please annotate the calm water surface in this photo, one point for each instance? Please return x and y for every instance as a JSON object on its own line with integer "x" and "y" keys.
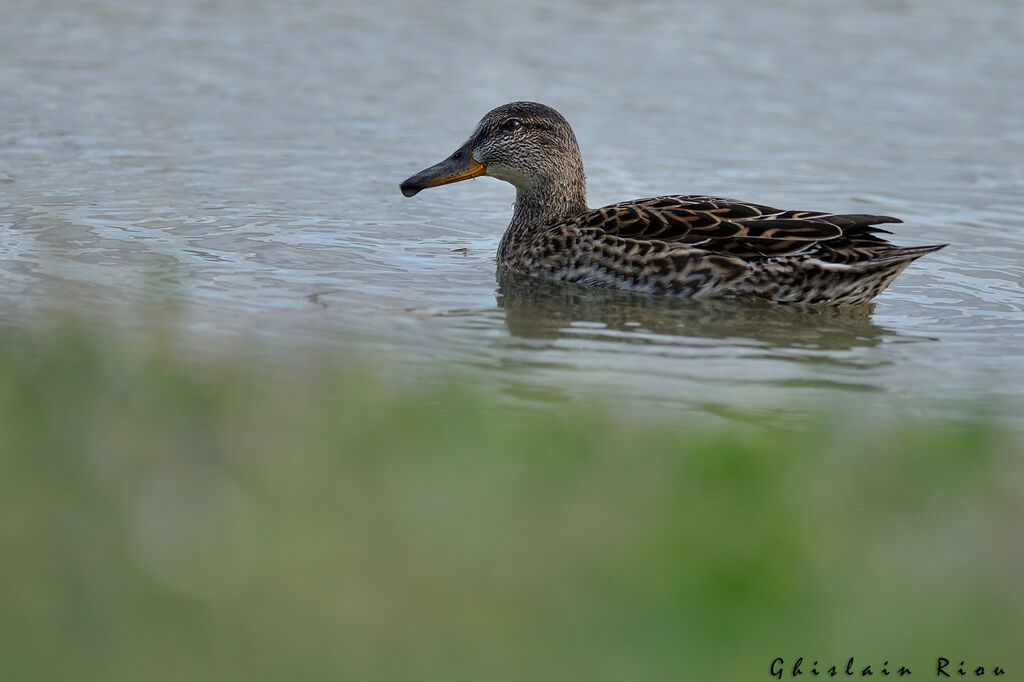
{"x": 239, "y": 162}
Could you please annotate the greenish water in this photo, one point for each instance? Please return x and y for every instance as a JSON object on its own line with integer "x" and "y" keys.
{"x": 169, "y": 518}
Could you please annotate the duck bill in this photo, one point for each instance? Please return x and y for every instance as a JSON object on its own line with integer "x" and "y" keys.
{"x": 459, "y": 166}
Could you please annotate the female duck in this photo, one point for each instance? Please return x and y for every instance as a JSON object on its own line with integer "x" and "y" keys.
{"x": 696, "y": 246}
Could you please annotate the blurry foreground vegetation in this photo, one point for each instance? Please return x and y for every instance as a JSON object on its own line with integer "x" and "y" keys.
{"x": 173, "y": 519}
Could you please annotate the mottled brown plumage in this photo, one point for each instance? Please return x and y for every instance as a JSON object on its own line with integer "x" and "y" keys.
{"x": 694, "y": 246}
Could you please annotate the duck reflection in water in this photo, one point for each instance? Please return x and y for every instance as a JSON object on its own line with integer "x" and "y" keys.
{"x": 545, "y": 309}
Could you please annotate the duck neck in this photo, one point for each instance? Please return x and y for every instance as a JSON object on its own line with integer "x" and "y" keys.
{"x": 539, "y": 205}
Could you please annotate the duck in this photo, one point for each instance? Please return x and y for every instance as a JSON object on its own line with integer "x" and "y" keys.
{"x": 694, "y": 246}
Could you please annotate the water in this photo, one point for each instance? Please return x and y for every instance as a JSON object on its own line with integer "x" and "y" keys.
{"x": 239, "y": 162}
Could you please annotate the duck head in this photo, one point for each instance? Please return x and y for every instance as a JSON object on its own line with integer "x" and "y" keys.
{"x": 525, "y": 143}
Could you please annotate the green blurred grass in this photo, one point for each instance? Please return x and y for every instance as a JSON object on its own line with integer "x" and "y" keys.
{"x": 168, "y": 518}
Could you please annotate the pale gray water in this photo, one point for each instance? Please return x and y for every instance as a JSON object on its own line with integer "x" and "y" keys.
{"x": 240, "y": 161}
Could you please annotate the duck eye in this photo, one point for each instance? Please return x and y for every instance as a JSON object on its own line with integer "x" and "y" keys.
{"x": 512, "y": 124}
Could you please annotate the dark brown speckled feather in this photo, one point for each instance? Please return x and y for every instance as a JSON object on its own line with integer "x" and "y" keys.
{"x": 694, "y": 246}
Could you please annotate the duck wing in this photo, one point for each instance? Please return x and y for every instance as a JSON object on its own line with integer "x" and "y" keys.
{"x": 742, "y": 229}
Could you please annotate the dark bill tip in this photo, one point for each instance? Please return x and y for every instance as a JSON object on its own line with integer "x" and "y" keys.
{"x": 410, "y": 188}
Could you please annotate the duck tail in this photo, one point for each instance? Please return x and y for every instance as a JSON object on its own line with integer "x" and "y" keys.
{"x": 905, "y": 253}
